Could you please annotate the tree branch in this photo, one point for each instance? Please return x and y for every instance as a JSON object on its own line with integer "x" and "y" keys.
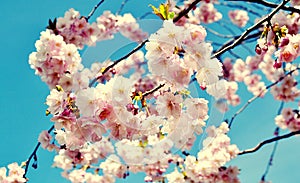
{"x": 240, "y": 7}
{"x": 269, "y": 141}
{"x": 251, "y": 36}
{"x": 122, "y": 6}
{"x": 94, "y": 9}
{"x": 272, "y": 5}
{"x": 33, "y": 154}
{"x": 185, "y": 11}
{"x": 255, "y": 97}
{"x": 152, "y": 91}
{"x": 249, "y": 30}
{"x": 271, "y": 158}
{"x": 180, "y": 15}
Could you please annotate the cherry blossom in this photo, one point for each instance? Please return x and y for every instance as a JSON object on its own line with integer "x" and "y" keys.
{"x": 137, "y": 114}
{"x": 288, "y": 119}
{"x": 15, "y": 173}
{"x": 239, "y": 17}
{"x": 207, "y": 13}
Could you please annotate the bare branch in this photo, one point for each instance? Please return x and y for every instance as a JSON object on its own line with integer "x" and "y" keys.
{"x": 272, "y": 5}
{"x": 269, "y": 141}
{"x": 94, "y": 9}
{"x": 153, "y": 90}
{"x": 240, "y": 7}
{"x": 121, "y": 7}
{"x": 185, "y": 11}
{"x": 230, "y": 42}
{"x": 271, "y": 158}
{"x": 249, "y": 30}
{"x": 34, "y": 153}
{"x": 217, "y": 33}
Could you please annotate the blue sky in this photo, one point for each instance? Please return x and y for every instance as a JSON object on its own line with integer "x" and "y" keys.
{"x": 23, "y": 95}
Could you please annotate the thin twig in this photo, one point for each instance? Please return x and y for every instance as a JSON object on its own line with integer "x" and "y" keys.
{"x": 121, "y": 7}
{"x": 185, "y": 11}
{"x": 271, "y": 158}
{"x": 145, "y": 15}
{"x": 34, "y": 153}
{"x": 153, "y": 90}
{"x": 274, "y": 139}
{"x": 180, "y": 15}
{"x": 240, "y": 7}
{"x": 227, "y": 28}
{"x": 94, "y": 9}
{"x": 251, "y": 36}
{"x": 272, "y": 5}
{"x": 217, "y": 33}
{"x": 250, "y": 29}
{"x": 256, "y": 96}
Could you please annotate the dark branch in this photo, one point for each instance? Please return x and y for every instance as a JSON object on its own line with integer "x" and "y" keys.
{"x": 271, "y": 158}
{"x": 33, "y": 154}
{"x": 94, "y": 9}
{"x": 180, "y": 15}
{"x": 249, "y": 30}
{"x": 251, "y": 36}
{"x": 272, "y": 5}
{"x": 185, "y": 11}
{"x": 153, "y": 90}
{"x": 269, "y": 141}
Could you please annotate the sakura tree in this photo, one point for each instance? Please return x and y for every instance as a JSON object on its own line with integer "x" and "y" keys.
{"x": 147, "y": 111}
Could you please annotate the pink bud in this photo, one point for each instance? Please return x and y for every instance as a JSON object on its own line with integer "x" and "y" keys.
{"x": 285, "y": 41}
{"x": 113, "y": 71}
{"x": 203, "y": 87}
{"x": 277, "y": 65}
{"x": 258, "y": 49}
{"x": 265, "y": 48}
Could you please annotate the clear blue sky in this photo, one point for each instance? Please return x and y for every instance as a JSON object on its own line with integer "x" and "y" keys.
{"x": 23, "y": 95}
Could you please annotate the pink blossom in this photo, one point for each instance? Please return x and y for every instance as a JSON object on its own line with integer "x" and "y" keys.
{"x": 76, "y": 30}
{"x": 287, "y": 91}
{"x": 45, "y": 139}
{"x": 197, "y": 108}
{"x": 239, "y": 17}
{"x": 113, "y": 166}
{"x": 231, "y": 95}
{"x": 175, "y": 177}
{"x": 206, "y": 13}
{"x": 54, "y": 58}
{"x": 218, "y": 89}
{"x": 210, "y": 73}
{"x": 129, "y": 28}
{"x": 168, "y": 105}
{"x": 288, "y": 119}
{"x": 15, "y": 174}
{"x": 63, "y": 161}
{"x": 55, "y": 101}
{"x": 240, "y": 70}
{"x": 77, "y": 175}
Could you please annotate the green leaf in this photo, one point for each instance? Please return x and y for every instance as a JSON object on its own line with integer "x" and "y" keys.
{"x": 171, "y": 15}
{"x": 163, "y": 11}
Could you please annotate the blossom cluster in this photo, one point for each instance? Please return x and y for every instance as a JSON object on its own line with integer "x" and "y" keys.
{"x": 15, "y": 174}
{"x": 75, "y": 29}
{"x": 239, "y": 17}
{"x": 208, "y": 165}
{"x": 54, "y": 58}
{"x": 110, "y": 120}
{"x": 174, "y": 53}
{"x": 288, "y": 119}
